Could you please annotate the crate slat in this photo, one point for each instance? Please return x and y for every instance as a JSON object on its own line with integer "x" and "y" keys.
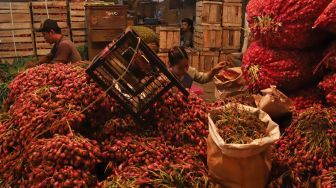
{"x": 14, "y": 5}
{"x": 209, "y": 13}
{"x": 12, "y": 54}
{"x": 208, "y": 60}
{"x": 232, "y": 15}
{"x": 206, "y": 37}
{"x": 169, "y": 37}
{"x": 231, "y": 38}
{"x": 17, "y": 18}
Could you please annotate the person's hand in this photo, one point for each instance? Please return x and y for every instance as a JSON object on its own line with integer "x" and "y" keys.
{"x": 220, "y": 66}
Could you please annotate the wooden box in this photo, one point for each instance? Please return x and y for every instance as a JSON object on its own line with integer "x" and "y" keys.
{"x": 207, "y": 60}
{"x": 56, "y": 10}
{"x": 231, "y": 38}
{"x": 169, "y": 37}
{"x": 232, "y": 15}
{"x": 77, "y": 23}
{"x": 207, "y": 37}
{"x": 16, "y": 36}
{"x": 193, "y": 57}
{"x": 106, "y": 16}
{"x": 105, "y": 22}
{"x": 209, "y": 13}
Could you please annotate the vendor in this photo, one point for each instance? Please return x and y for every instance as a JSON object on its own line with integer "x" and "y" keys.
{"x": 63, "y": 51}
{"x": 179, "y": 66}
{"x": 187, "y": 32}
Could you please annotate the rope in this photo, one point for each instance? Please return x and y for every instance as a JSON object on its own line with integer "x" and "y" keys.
{"x": 117, "y": 80}
{"x": 13, "y": 33}
{"x": 46, "y": 7}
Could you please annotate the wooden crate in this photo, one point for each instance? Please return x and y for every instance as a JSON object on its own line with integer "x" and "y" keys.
{"x": 232, "y": 15}
{"x": 207, "y": 37}
{"x": 209, "y": 13}
{"x": 57, "y": 10}
{"x": 193, "y": 57}
{"x": 105, "y": 22}
{"x": 106, "y": 16}
{"x": 169, "y": 37}
{"x": 24, "y": 44}
{"x": 231, "y": 38}
{"x": 15, "y": 30}
{"x": 207, "y": 60}
{"x": 77, "y": 23}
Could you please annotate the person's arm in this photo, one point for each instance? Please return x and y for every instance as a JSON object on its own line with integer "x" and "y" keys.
{"x": 202, "y": 77}
{"x": 62, "y": 53}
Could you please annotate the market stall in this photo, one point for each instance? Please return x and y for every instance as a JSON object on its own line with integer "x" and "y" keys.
{"x": 123, "y": 119}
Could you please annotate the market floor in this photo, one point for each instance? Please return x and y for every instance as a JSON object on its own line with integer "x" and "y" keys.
{"x": 209, "y": 91}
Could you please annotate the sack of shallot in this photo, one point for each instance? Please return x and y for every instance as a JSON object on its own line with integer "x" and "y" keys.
{"x": 229, "y": 82}
{"x": 239, "y": 146}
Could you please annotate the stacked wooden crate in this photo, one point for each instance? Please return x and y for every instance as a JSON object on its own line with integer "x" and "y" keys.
{"x": 77, "y": 23}
{"x": 169, "y": 37}
{"x": 217, "y": 31}
{"x": 208, "y": 30}
{"x": 232, "y": 24}
{"x": 16, "y": 36}
{"x": 105, "y": 23}
{"x": 56, "y": 10}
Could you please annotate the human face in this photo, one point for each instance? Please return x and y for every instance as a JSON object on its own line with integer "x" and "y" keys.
{"x": 181, "y": 68}
{"x": 48, "y": 37}
{"x": 185, "y": 26}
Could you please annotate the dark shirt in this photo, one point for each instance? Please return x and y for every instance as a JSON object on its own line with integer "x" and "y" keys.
{"x": 65, "y": 51}
{"x": 187, "y": 39}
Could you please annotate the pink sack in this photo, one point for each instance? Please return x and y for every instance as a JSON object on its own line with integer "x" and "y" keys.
{"x": 197, "y": 90}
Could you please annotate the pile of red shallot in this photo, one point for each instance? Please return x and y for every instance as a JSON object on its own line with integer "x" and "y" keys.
{"x": 307, "y": 149}
{"x": 62, "y": 130}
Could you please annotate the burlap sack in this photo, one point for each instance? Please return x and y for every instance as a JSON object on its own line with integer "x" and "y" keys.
{"x": 241, "y": 165}
{"x": 273, "y": 102}
{"x": 230, "y": 88}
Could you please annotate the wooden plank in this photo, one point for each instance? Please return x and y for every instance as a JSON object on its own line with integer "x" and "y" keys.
{"x": 58, "y": 18}
{"x": 8, "y": 33}
{"x": 62, "y": 25}
{"x": 16, "y": 39}
{"x": 18, "y": 46}
{"x": 14, "y": 6}
{"x": 208, "y": 60}
{"x": 78, "y": 32}
{"x": 207, "y": 37}
{"x": 232, "y": 14}
{"x": 78, "y": 25}
{"x": 9, "y": 26}
{"x": 209, "y": 13}
{"x": 77, "y": 13}
{"x": 169, "y": 37}
{"x": 12, "y": 53}
{"x": 77, "y": 19}
{"x": 231, "y": 38}
{"x": 17, "y": 18}
{"x": 49, "y": 4}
